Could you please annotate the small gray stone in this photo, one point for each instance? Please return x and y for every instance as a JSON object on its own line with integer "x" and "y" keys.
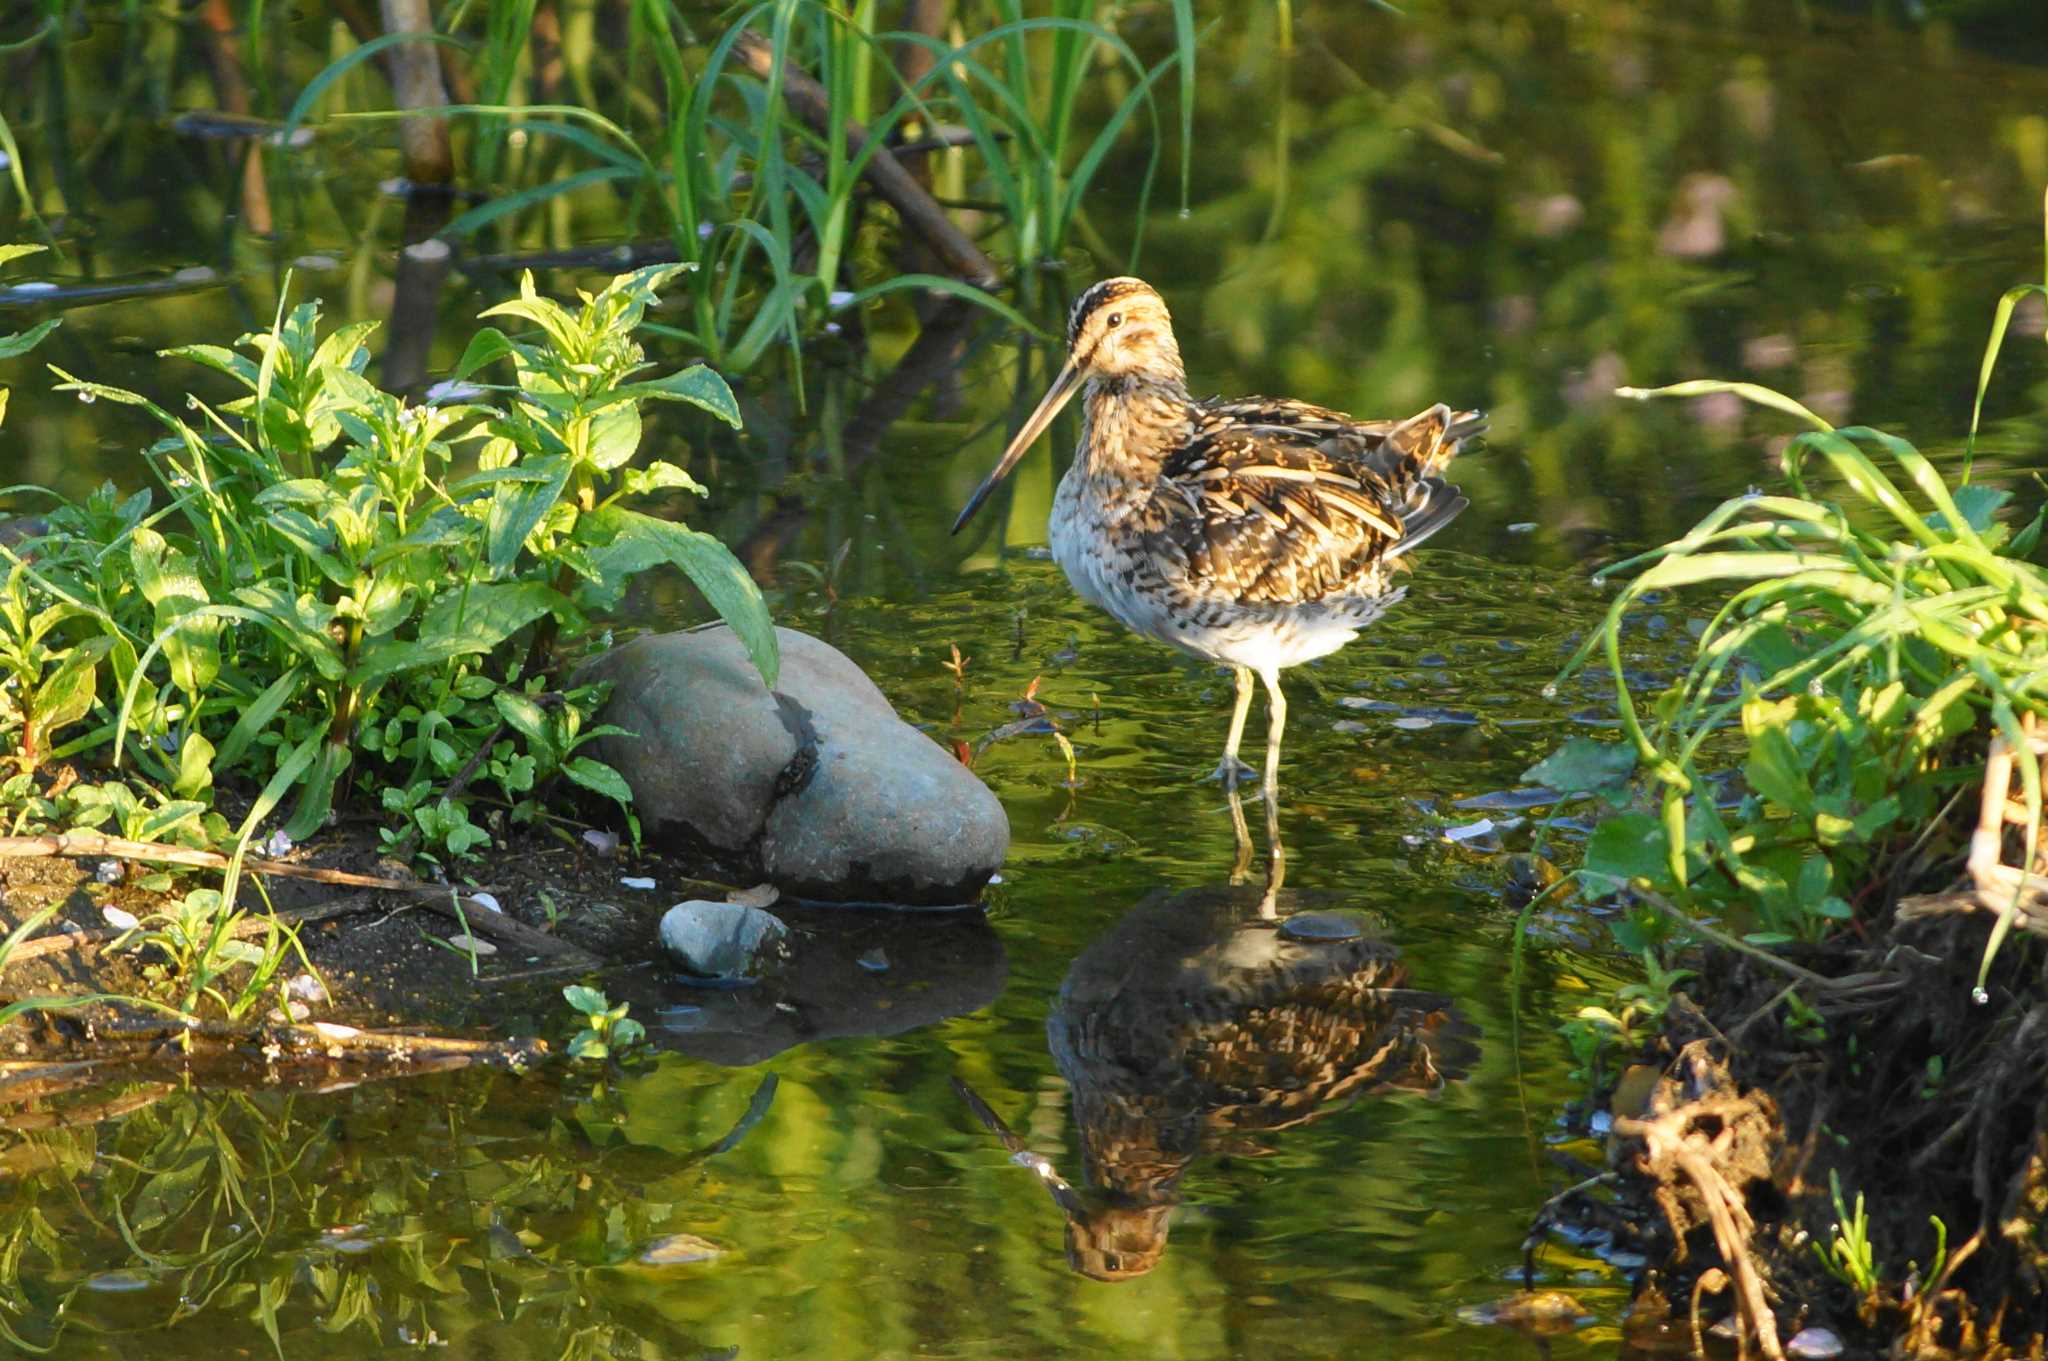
{"x": 719, "y": 940}
{"x": 1321, "y": 926}
{"x": 1814, "y": 1344}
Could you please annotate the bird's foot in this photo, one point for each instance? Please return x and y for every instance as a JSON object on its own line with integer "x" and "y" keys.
{"x": 1231, "y": 772}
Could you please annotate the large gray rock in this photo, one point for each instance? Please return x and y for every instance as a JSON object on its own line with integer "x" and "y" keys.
{"x": 819, "y": 787}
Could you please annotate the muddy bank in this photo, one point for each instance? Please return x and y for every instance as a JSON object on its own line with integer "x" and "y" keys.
{"x": 1782, "y": 1092}
{"x": 424, "y": 983}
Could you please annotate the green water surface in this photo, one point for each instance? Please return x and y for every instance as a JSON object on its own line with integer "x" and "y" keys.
{"x": 1512, "y": 206}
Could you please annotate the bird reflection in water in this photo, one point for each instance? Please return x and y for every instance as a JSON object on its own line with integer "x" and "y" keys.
{"x": 1207, "y": 1018}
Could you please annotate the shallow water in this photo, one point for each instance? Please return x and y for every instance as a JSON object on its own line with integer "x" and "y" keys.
{"x": 1514, "y": 207}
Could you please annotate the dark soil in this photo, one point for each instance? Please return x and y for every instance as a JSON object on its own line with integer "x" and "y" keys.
{"x": 376, "y": 952}
{"x": 1889, "y": 1078}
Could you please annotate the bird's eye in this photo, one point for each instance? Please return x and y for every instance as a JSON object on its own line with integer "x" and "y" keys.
{"x": 1116, "y": 319}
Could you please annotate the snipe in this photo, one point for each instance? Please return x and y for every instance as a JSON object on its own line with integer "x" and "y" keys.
{"x": 1260, "y": 532}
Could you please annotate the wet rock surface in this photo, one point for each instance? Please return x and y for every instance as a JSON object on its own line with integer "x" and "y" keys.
{"x": 726, "y": 941}
{"x": 824, "y": 987}
{"x": 819, "y": 786}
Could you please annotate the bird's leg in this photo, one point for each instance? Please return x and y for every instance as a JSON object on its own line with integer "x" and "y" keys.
{"x": 1276, "y": 860}
{"x": 1232, "y": 768}
{"x": 1276, "y": 709}
{"x": 1243, "y": 866}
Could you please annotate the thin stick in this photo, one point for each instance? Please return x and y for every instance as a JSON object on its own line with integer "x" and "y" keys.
{"x": 251, "y": 925}
{"x": 1728, "y": 942}
{"x": 910, "y": 199}
{"x": 79, "y": 845}
{"x": 497, "y": 926}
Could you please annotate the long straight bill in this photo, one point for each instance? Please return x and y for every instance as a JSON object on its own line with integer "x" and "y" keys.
{"x": 1057, "y": 396}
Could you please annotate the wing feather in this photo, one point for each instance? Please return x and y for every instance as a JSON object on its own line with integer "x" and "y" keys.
{"x": 1289, "y": 503}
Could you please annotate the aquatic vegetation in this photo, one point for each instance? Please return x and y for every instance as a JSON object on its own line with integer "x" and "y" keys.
{"x": 1786, "y": 809}
{"x": 1859, "y": 643}
{"x": 750, "y": 161}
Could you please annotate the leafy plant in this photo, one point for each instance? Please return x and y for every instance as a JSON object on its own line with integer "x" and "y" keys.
{"x": 324, "y": 576}
{"x": 1858, "y": 641}
{"x": 608, "y": 1032}
{"x": 331, "y": 604}
{"x": 201, "y": 943}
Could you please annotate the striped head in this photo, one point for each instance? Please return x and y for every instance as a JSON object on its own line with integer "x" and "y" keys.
{"x": 1120, "y": 328}
{"x": 1118, "y": 334}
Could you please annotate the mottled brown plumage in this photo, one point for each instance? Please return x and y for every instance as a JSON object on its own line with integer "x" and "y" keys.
{"x": 1259, "y": 532}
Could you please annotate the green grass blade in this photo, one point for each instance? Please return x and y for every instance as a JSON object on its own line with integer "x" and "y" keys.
{"x": 342, "y": 65}
{"x": 1749, "y": 392}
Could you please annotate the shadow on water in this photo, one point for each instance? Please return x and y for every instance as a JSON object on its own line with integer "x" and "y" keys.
{"x": 847, "y": 974}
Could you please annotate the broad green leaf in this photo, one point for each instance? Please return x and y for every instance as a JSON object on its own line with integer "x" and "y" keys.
{"x": 64, "y": 696}
{"x": 301, "y": 623}
{"x": 14, "y": 346}
{"x": 487, "y": 346}
{"x": 1630, "y": 846}
{"x": 517, "y": 507}
{"x": 699, "y": 385}
{"x": 524, "y": 717}
{"x": 589, "y": 1001}
{"x": 1979, "y": 504}
{"x": 237, "y": 366}
{"x": 614, "y": 436}
{"x": 545, "y": 313}
{"x": 459, "y": 624}
{"x": 623, "y": 542}
{"x": 387, "y": 604}
{"x": 195, "y": 767}
{"x": 168, "y": 817}
{"x": 598, "y": 777}
{"x": 659, "y": 476}
{"x": 344, "y": 350}
{"x": 1584, "y": 765}
{"x": 1774, "y": 768}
